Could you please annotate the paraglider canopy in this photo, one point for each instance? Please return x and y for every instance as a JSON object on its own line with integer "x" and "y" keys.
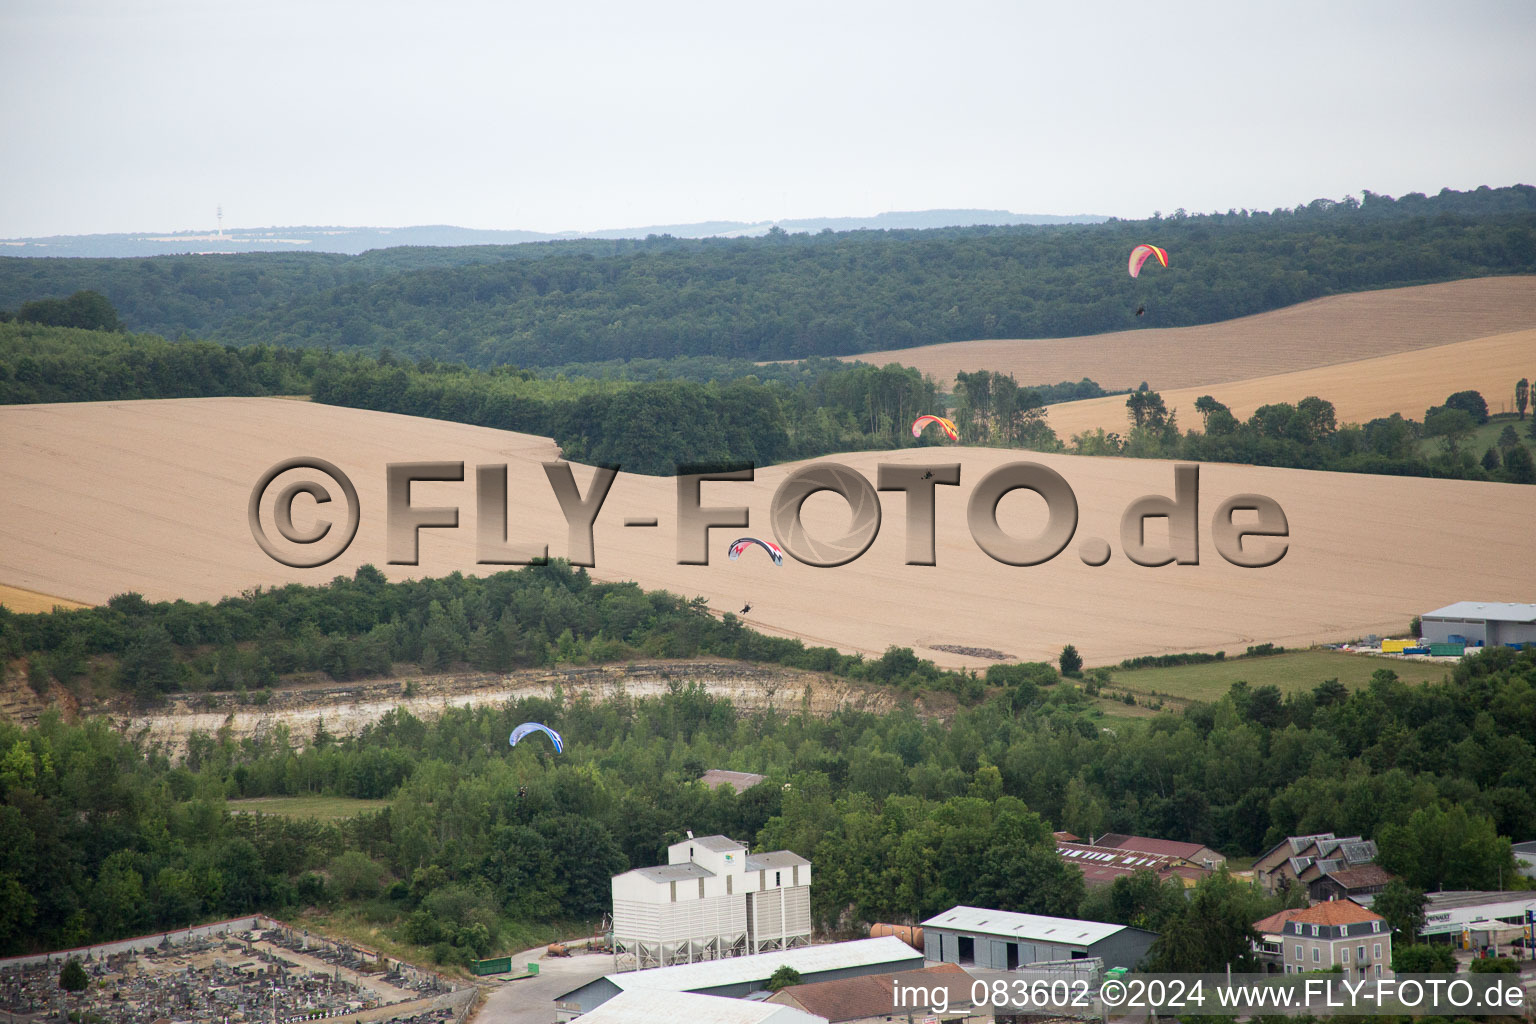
{"x": 743, "y": 543}
{"x": 531, "y": 727}
{"x": 948, "y": 426}
{"x": 1141, "y": 252}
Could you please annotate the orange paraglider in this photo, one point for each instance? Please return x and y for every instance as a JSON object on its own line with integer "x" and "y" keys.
{"x": 948, "y": 426}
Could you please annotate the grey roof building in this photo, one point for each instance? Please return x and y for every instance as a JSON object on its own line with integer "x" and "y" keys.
{"x": 1489, "y": 622}
{"x": 1304, "y": 859}
{"x": 1002, "y": 940}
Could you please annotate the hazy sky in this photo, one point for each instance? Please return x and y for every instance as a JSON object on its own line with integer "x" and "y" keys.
{"x": 135, "y": 115}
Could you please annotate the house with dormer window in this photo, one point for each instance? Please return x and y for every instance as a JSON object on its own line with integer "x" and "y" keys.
{"x": 1337, "y": 933}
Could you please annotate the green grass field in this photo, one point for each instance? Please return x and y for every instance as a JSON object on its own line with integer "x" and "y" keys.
{"x": 1291, "y": 672}
{"x": 1484, "y": 437}
{"x": 325, "y": 808}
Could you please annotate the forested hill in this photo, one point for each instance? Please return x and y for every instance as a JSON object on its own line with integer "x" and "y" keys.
{"x": 354, "y": 240}
{"x": 787, "y": 296}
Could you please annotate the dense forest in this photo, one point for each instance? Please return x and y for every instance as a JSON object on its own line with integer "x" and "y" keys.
{"x": 902, "y": 815}
{"x": 43, "y": 363}
{"x": 791, "y": 296}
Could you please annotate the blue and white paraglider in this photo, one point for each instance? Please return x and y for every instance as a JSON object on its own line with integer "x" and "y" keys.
{"x": 531, "y": 727}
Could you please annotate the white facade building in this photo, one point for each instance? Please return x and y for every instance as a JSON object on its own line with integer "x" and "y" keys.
{"x": 712, "y": 899}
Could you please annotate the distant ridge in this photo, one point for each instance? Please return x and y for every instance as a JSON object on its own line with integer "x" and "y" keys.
{"x": 354, "y": 240}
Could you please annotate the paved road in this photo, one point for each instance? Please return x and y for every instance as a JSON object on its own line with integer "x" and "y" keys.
{"x": 532, "y": 1000}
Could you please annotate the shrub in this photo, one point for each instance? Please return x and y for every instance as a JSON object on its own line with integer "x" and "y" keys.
{"x": 784, "y": 977}
{"x": 1494, "y": 965}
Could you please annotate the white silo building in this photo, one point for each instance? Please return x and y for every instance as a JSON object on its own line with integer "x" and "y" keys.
{"x": 712, "y": 899}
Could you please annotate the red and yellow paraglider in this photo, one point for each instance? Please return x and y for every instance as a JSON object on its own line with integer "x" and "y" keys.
{"x": 1140, "y": 254}
{"x": 948, "y": 426}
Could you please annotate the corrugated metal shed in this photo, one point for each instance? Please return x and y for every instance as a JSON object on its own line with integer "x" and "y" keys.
{"x": 1032, "y": 927}
{"x": 832, "y": 956}
{"x": 1146, "y": 844}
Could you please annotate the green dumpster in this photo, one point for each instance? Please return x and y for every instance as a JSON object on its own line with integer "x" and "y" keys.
{"x": 499, "y": 965}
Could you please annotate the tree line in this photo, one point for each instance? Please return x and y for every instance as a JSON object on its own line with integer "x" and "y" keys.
{"x": 45, "y": 363}
{"x": 1307, "y": 435}
{"x": 690, "y": 411}
{"x": 643, "y": 426}
{"x": 792, "y": 296}
{"x": 362, "y": 626}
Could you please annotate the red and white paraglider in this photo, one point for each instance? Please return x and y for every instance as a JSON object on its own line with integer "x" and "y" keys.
{"x": 774, "y": 551}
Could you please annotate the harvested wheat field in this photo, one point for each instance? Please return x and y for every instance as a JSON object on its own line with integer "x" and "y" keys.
{"x": 1336, "y": 329}
{"x": 151, "y": 496}
{"x": 1407, "y": 383}
{"x": 29, "y": 601}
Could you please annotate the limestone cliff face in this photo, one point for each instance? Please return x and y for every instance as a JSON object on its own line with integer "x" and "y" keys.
{"x": 346, "y": 708}
{"x": 20, "y": 704}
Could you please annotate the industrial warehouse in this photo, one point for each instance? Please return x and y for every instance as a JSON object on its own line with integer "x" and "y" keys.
{"x": 1488, "y": 623}
{"x": 1003, "y": 941}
